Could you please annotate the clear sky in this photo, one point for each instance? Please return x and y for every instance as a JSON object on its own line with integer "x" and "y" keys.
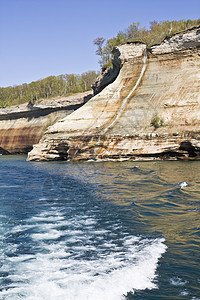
{"x": 40, "y": 38}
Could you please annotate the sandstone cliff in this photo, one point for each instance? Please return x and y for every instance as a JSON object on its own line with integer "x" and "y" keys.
{"x": 151, "y": 110}
{"x": 24, "y": 125}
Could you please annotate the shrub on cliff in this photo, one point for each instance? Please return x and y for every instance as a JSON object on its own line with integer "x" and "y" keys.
{"x": 157, "y": 122}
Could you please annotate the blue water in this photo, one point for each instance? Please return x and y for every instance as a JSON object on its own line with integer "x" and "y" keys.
{"x": 107, "y": 231}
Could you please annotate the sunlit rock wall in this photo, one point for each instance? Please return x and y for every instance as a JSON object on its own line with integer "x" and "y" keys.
{"x": 151, "y": 110}
{"x": 23, "y": 126}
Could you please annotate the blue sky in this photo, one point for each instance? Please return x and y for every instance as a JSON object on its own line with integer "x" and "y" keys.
{"x": 40, "y": 38}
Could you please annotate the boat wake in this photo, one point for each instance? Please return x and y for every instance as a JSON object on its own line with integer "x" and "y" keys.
{"x": 76, "y": 258}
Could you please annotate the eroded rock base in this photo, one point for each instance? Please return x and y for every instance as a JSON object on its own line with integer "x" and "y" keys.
{"x": 119, "y": 148}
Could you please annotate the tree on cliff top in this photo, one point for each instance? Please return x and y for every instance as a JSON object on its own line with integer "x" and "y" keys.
{"x": 155, "y": 35}
{"x": 52, "y": 86}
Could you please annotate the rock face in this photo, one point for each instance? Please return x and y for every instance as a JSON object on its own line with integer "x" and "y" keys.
{"x": 186, "y": 40}
{"x": 151, "y": 110}
{"x": 121, "y": 54}
{"x": 106, "y": 77}
{"x": 24, "y": 125}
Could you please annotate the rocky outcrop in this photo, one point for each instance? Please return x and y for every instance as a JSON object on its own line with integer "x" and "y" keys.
{"x": 106, "y": 77}
{"x": 151, "y": 110}
{"x": 23, "y": 125}
{"x": 178, "y": 42}
{"x": 122, "y": 54}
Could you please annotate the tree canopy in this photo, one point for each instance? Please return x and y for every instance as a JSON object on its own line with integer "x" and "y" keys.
{"x": 156, "y": 34}
{"x": 52, "y": 86}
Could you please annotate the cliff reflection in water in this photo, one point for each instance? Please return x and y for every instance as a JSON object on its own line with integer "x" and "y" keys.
{"x": 165, "y": 194}
{"x": 159, "y": 197}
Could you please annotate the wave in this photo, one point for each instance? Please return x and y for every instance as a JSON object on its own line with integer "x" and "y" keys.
{"x": 77, "y": 260}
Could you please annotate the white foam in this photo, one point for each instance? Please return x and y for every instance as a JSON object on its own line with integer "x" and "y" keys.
{"x": 183, "y": 184}
{"x": 99, "y": 232}
{"x": 131, "y": 240}
{"x": 58, "y": 276}
{"x": 20, "y": 228}
{"x": 52, "y": 234}
{"x": 47, "y": 218}
{"x": 21, "y": 258}
{"x": 177, "y": 281}
{"x": 184, "y": 293}
{"x": 90, "y": 263}
{"x": 90, "y": 221}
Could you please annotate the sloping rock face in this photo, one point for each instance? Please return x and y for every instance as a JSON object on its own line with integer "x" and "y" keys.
{"x": 107, "y": 76}
{"x": 151, "y": 110}
{"x": 23, "y": 126}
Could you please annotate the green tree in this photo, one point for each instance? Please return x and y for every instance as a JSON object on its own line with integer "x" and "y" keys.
{"x": 87, "y": 79}
{"x": 156, "y": 34}
{"x": 48, "y": 87}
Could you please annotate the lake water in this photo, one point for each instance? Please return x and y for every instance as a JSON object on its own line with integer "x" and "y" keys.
{"x": 103, "y": 231}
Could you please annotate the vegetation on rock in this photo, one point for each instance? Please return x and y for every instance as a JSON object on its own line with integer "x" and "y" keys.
{"x": 52, "y": 86}
{"x": 64, "y": 85}
{"x": 156, "y": 34}
{"x": 157, "y": 122}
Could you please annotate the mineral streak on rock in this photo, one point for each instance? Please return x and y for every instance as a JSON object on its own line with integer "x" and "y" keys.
{"x": 121, "y": 54}
{"x": 23, "y": 125}
{"x": 161, "y": 115}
